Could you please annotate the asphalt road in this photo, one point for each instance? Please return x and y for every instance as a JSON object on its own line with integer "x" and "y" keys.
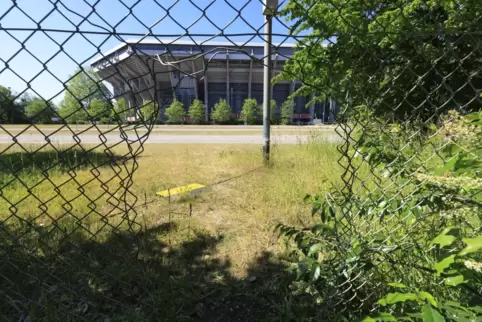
{"x": 159, "y": 139}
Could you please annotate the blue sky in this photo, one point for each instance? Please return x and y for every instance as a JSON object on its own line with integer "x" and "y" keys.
{"x": 80, "y": 48}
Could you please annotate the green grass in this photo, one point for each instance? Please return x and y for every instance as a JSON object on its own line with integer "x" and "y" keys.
{"x": 215, "y": 257}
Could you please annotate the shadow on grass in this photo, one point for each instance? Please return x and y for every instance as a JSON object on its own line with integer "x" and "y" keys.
{"x": 60, "y": 160}
{"x": 49, "y": 274}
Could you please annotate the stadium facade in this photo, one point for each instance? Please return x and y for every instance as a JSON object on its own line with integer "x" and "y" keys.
{"x": 162, "y": 70}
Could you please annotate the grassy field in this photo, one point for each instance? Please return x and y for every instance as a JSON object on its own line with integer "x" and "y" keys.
{"x": 214, "y": 257}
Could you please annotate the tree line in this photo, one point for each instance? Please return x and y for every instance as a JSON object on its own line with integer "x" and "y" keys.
{"x": 87, "y": 100}
{"x": 222, "y": 113}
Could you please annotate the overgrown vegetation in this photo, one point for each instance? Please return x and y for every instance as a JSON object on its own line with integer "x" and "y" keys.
{"x": 411, "y": 246}
{"x": 377, "y": 53}
{"x": 286, "y": 113}
{"x": 403, "y": 242}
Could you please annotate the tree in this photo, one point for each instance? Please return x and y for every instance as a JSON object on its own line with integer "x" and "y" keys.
{"x": 272, "y": 110}
{"x": 250, "y": 111}
{"x": 402, "y": 59}
{"x": 121, "y": 110}
{"x": 287, "y": 109}
{"x": 175, "y": 112}
{"x": 84, "y": 88}
{"x": 222, "y": 112}
{"x": 197, "y": 112}
{"x": 100, "y": 111}
{"x": 39, "y": 111}
{"x": 10, "y": 110}
{"x": 148, "y": 111}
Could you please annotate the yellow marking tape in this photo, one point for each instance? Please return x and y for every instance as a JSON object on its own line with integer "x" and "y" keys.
{"x": 192, "y": 189}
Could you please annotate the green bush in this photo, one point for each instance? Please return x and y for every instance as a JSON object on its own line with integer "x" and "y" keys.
{"x": 250, "y": 111}
{"x": 148, "y": 111}
{"x": 287, "y": 109}
{"x": 410, "y": 247}
{"x": 175, "y": 113}
{"x": 197, "y": 112}
{"x": 258, "y": 112}
{"x": 273, "y": 107}
{"x": 222, "y": 112}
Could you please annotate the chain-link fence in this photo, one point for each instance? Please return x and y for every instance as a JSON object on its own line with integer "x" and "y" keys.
{"x": 399, "y": 238}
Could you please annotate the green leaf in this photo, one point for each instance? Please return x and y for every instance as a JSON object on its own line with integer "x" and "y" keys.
{"x": 443, "y": 264}
{"x": 417, "y": 211}
{"x": 380, "y": 317}
{"x": 398, "y": 285}
{"x": 443, "y": 239}
{"x": 457, "y": 314}
{"x": 430, "y": 314}
{"x": 477, "y": 309}
{"x": 455, "y": 304}
{"x": 449, "y": 166}
{"x": 388, "y": 249}
{"x": 454, "y": 280}
{"x": 332, "y": 212}
{"x": 315, "y": 248}
{"x": 427, "y": 296}
{"x": 315, "y": 273}
{"x": 392, "y": 298}
{"x": 473, "y": 116}
{"x": 473, "y": 245}
{"x": 316, "y": 206}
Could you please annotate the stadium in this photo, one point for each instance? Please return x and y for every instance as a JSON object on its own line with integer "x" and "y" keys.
{"x": 163, "y": 70}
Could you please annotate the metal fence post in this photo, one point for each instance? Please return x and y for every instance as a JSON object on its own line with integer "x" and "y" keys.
{"x": 269, "y": 9}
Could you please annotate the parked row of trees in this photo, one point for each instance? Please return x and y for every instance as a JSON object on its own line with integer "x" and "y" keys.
{"x": 222, "y": 112}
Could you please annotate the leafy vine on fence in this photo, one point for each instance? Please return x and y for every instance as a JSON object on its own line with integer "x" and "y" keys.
{"x": 409, "y": 247}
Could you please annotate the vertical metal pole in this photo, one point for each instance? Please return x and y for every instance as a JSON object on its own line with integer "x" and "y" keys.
{"x": 267, "y": 88}
{"x": 206, "y": 98}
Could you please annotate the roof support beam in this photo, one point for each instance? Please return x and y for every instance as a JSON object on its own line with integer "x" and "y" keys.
{"x": 274, "y": 71}
{"x": 206, "y": 94}
{"x": 194, "y": 78}
{"x": 250, "y": 80}
{"x": 228, "y": 85}
{"x": 312, "y": 108}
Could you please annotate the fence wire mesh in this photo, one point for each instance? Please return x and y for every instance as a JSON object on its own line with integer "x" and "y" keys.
{"x": 401, "y": 77}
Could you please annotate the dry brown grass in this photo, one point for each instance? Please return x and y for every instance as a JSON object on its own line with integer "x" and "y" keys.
{"x": 243, "y": 210}
{"x": 185, "y": 262}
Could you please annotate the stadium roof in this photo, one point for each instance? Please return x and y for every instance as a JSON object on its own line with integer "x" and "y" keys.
{"x": 185, "y": 42}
